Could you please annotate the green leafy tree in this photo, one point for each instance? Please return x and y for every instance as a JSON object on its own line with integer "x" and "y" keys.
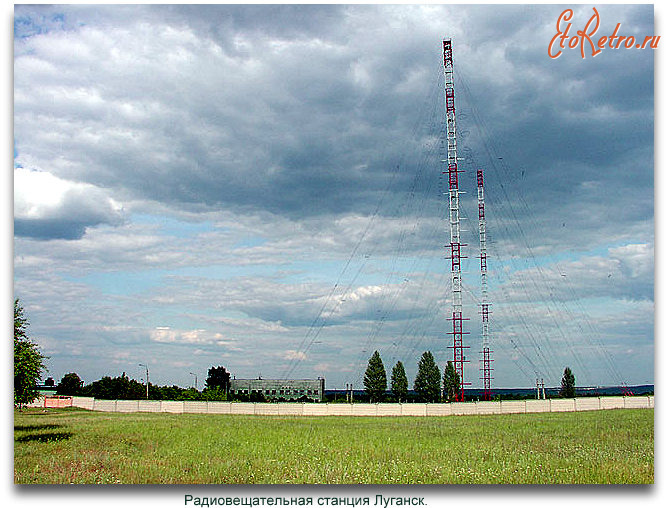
{"x": 117, "y": 388}
{"x": 28, "y": 361}
{"x": 70, "y": 384}
{"x": 399, "y": 382}
{"x": 218, "y": 377}
{"x": 188, "y": 394}
{"x": 428, "y": 379}
{"x": 567, "y": 384}
{"x": 215, "y": 393}
{"x": 451, "y": 382}
{"x": 375, "y": 378}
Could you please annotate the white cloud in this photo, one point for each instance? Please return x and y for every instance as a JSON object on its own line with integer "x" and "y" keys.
{"x": 294, "y": 355}
{"x": 636, "y": 259}
{"x": 46, "y": 206}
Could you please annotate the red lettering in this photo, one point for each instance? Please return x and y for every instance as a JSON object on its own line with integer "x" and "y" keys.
{"x": 586, "y": 35}
{"x": 567, "y": 15}
{"x": 585, "y": 38}
{"x": 614, "y": 34}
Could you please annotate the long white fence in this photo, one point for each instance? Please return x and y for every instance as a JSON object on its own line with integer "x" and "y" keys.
{"x": 384, "y": 409}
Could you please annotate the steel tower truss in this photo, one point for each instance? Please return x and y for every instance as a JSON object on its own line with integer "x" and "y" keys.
{"x": 455, "y": 241}
{"x": 484, "y": 304}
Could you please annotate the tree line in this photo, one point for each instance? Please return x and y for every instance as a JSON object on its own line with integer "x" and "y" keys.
{"x": 428, "y": 386}
{"x": 123, "y": 388}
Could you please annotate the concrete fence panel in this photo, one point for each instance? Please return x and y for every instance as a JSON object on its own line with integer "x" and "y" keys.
{"x": 636, "y": 402}
{"x": 388, "y": 410}
{"x": 242, "y": 408}
{"x": 587, "y": 404}
{"x": 266, "y": 408}
{"x": 488, "y": 407}
{"x": 339, "y": 409}
{"x": 364, "y": 409}
{"x": 104, "y": 405}
{"x": 127, "y": 406}
{"x": 149, "y": 406}
{"x": 38, "y": 402}
{"x": 462, "y": 408}
{"x": 612, "y": 402}
{"x": 83, "y": 402}
{"x": 317, "y": 409}
{"x": 171, "y": 406}
{"x": 290, "y": 408}
{"x": 58, "y": 401}
{"x": 195, "y": 406}
{"x": 414, "y": 409}
{"x": 438, "y": 409}
{"x": 560, "y": 405}
{"x": 513, "y": 406}
{"x": 219, "y": 408}
{"x": 537, "y": 405}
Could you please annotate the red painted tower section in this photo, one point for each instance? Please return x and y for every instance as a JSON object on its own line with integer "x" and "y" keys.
{"x": 455, "y": 244}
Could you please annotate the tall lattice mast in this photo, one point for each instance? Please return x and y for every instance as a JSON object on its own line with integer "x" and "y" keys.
{"x": 484, "y": 304}
{"x": 455, "y": 241}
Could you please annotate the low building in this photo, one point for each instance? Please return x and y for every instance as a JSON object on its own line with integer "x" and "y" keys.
{"x": 276, "y": 389}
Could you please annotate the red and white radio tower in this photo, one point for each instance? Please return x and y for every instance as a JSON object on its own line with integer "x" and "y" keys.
{"x": 484, "y": 304}
{"x": 455, "y": 245}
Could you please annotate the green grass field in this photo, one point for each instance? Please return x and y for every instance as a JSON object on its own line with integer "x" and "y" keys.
{"x": 77, "y": 446}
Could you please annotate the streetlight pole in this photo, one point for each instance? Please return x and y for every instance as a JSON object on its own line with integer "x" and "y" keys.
{"x": 193, "y": 374}
{"x": 146, "y": 366}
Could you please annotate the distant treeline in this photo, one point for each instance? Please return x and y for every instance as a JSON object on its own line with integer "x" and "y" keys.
{"x": 473, "y": 394}
{"x": 124, "y": 388}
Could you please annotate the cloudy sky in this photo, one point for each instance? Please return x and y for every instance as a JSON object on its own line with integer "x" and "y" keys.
{"x": 260, "y": 187}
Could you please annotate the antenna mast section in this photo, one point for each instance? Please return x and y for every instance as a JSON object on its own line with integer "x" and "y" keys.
{"x": 484, "y": 304}
{"x": 455, "y": 244}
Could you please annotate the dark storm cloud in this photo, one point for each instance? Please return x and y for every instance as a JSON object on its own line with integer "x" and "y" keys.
{"x": 49, "y": 228}
{"x": 308, "y": 110}
{"x": 283, "y": 121}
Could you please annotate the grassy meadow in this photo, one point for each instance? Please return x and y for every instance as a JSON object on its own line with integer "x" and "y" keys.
{"x": 75, "y": 446}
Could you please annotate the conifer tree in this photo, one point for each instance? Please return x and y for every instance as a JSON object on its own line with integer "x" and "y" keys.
{"x": 375, "y": 378}
{"x": 428, "y": 379}
{"x": 399, "y": 382}
{"x": 451, "y": 382}
{"x": 567, "y": 384}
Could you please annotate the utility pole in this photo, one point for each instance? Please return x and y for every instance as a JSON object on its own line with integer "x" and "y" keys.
{"x": 193, "y": 374}
{"x": 142, "y": 365}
